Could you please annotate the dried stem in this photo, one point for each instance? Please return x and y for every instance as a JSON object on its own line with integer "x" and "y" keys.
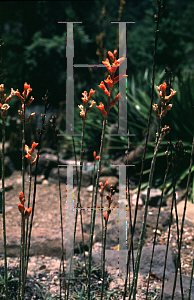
{"x": 183, "y": 218}
{"x": 94, "y": 211}
{"x": 77, "y": 208}
{"x": 140, "y": 245}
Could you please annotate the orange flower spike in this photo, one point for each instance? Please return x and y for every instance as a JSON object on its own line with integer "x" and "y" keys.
{"x": 27, "y": 212}
{"x": 97, "y": 157}
{"x": 101, "y": 107}
{"x": 21, "y": 207}
{"x": 106, "y": 183}
{"x": 94, "y": 154}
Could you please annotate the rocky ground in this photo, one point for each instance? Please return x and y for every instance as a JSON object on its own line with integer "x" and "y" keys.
{"x": 45, "y": 250}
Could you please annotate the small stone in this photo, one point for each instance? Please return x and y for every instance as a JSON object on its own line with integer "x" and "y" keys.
{"x": 42, "y": 267}
{"x": 45, "y": 182}
{"x": 43, "y": 279}
{"x": 55, "y": 278}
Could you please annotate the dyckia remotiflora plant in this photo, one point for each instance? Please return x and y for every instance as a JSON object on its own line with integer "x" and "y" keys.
{"x": 25, "y": 213}
{"x": 110, "y": 81}
{"x": 4, "y": 108}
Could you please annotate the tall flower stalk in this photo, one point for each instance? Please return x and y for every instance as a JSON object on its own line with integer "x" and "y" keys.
{"x": 110, "y": 81}
{"x": 40, "y": 132}
{"x": 165, "y": 106}
{"x": 84, "y": 109}
{"x": 25, "y": 102}
{"x": 4, "y": 106}
{"x": 106, "y": 217}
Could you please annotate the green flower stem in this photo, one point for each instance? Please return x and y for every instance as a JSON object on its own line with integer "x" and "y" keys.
{"x": 61, "y": 213}
{"x": 103, "y": 258}
{"x": 34, "y": 194}
{"x": 27, "y": 223}
{"x": 23, "y": 220}
{"x": 3, "y": 204}
{"x": 22, "y": 261}
{"x": 157, "y": 222}
{"x": 102, "y": 229}
{"x": 23, "y": 189}
{"x": 92, "y": 206}
{"x": 94, "y": 212}
{"x": 140, "y": 245}
{"x": 77, "y": 208}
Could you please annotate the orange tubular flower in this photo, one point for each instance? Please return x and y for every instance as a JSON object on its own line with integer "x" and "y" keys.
{"x": 27, "y": 89}
{"x": 90, "y": 94}
{"x": 121, "y": 76}
{"x": 27, "y": 212}
{"x": 21, "y": 197}
{"x": 101, "y": 107}
{"x": 21, "y": 207}
{"x": 19, "y": 96}
{"x": 109, "y": 82}
{"x": 105, "y": 215}
{"x": 26, "y": 86}
{"x": 103, "y": 87}
{"x": 34, "y": 145}
{"x": 115, "y": 100}
{"x": 86, "y": 98}
{"x": 111, "y": 55}
{"x": 162, "y": 89}
{"x": 33, "y": 162}
{"x": 108, "y": 65}
{"x": 28, "y": 156}
{"x": 30, "y": 101}
{"x": 91, "y": 105}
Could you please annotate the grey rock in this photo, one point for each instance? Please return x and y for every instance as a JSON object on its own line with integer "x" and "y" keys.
{"x": 155, "y": 196}
{"x": 168, "y": 288}
{"x": 53, "y": 176}
{"x": 112, "y": 260}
